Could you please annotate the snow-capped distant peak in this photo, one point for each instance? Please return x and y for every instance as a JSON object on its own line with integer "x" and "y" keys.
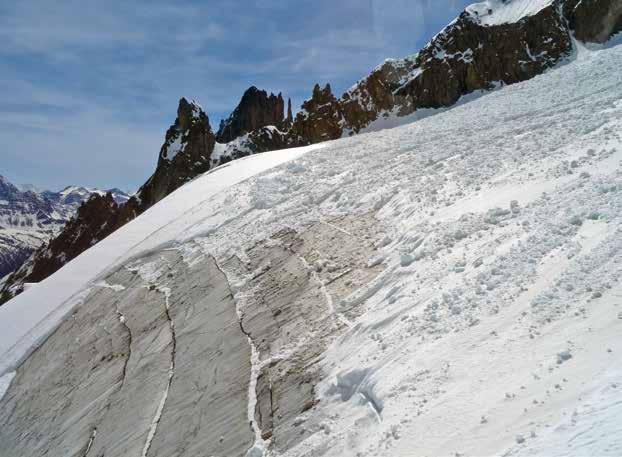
{"x": 497, "y": 12}
{"x": 78, "y": 194}
{"x": 29, "y": 188}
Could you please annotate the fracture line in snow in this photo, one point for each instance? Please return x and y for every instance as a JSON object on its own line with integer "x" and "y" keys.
{"x": 105, "y": 285}
{"x": 258, "y": 449}
{"x": 328, "y": 224}
{"x": 158, "y": 415}
{"x": 328, "y": 298}
{"x": 91, "y": 440}
{"x": 129, "y": 344}
{"x": 259, "y": 446}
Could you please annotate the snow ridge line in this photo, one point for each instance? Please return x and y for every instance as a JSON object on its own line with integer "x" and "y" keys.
{"x": 171, "y": 373}
{"x": 259, "y": 447}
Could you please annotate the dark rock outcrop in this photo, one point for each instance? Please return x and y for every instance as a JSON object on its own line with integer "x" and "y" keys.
{"x": 267, "y": 138}
{"x": 468, "y": 56}
{"x": 594, "y": 20}
{"x": 290, "y": 118}
{"x": 257, "y": 109}
{"x": 185, "y": 153}
{"x": 320, "y": 118}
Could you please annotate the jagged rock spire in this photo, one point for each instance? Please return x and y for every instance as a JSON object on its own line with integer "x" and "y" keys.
{"x": 256, "y": 109}
{"x": 185, "y": 153}
{"x": 290, "y": 117}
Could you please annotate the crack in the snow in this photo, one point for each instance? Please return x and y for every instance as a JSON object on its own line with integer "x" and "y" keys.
{"x": 327, "y": 296}
{"x": 156, "y": 420}
{"x": 259, "y": 446}
{"x": 129, "y": 345}
{"x": 90, "y": 444}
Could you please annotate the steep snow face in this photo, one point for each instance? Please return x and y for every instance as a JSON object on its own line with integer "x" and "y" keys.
{"x": 485, "y": 321}
{"x": 496, "y": 12}
{"x": 23, "y": 316}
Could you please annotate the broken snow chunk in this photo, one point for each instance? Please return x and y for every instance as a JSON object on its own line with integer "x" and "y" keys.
{"x": 406, "y": 260}
{"x": 576, "y": 220}
{"x": 496, "y": 215}
{"x": 375, "y": 261}
{"x": 563, "y": 356}
{"x": 593, "y": 216}
{"x": 520, "y": 439}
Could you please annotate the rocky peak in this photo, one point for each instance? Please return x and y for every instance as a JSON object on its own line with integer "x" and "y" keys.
{"x": 290, "y": 118}
{"x": 190, "y": 113}
{"x": 186, "y": 152}
{"x": 256, "y": 109}
{"x": 320, "y": 97}
{"x": 320, "y": 118}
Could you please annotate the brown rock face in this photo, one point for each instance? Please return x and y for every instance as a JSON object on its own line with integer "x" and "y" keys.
{"x": 185, "y": 153}
{"x": 468, "y": 56}
{"x": 594, "y": 20}
{"x": 257, "y": 109}
{"x": 290, "y": 118}
{"x": 319, "y": 120}
{"x": 376, "y": 94}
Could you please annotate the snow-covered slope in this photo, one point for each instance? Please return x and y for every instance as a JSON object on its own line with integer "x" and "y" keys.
{"x": 461, "y": 278}
{"x": 496, "y": 12}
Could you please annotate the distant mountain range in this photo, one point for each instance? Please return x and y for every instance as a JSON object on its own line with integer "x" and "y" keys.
{"x": 30, "y": 217}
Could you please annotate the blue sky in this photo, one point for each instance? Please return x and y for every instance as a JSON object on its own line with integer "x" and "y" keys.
{"x": 88, "y": 88}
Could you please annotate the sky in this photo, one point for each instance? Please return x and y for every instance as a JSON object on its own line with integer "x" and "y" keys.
{"x": 89, "y": 87}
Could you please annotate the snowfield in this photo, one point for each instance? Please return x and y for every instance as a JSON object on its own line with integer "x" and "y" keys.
{"x": 496, "y": 12}
{"x": 494, "y": 324}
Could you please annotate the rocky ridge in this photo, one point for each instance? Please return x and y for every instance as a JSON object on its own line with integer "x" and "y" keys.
{"x": 473, "y": 53}
{"x": 255, "y": 110}
{"x": 29, "y": 218}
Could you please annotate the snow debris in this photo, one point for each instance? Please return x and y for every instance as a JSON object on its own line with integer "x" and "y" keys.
{"x": 496, "y": 12}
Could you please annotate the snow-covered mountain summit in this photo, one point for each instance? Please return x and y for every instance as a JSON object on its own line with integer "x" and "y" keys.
{"x": 448, "y": 287}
